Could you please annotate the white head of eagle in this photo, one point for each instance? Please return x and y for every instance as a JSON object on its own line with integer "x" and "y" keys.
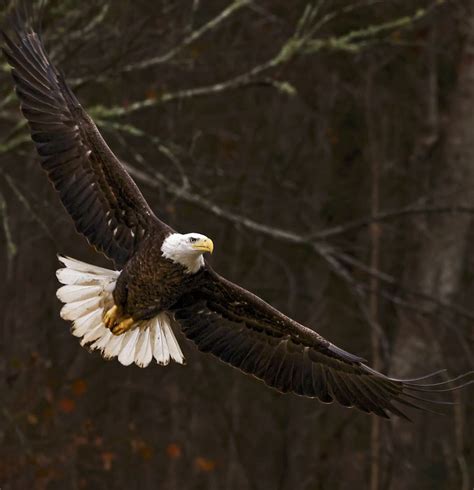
{"x": 187, "y": 249}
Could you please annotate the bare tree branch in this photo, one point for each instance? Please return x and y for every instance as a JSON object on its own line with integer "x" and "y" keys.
{"x": 300, "y": 43}
{"x": 11, "y": 249}
{"x": 388, "y": 216}
{"x": 191, "y": 38}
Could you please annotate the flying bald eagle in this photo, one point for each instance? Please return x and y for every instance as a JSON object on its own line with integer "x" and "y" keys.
{"x": 161, "y": 276}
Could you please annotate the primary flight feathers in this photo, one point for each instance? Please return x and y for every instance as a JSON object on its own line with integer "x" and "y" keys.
{"x": 163, "y": 275}
{"x": 106, "y": 205}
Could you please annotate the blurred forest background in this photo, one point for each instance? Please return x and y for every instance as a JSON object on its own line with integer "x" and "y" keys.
{"x": 328, "y": 150}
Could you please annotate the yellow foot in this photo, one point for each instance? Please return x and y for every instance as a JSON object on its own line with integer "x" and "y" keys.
{"x": 111, "y": 317}
{"x": 123, "y": 326}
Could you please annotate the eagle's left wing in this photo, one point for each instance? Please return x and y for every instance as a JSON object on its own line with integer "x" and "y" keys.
{"x": 104, "y": 202}
{"x": 247, "y": 333}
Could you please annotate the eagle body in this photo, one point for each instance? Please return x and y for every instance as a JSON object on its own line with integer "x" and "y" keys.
{"x": 150, "y": 283}
{"x": 161, "y": 280}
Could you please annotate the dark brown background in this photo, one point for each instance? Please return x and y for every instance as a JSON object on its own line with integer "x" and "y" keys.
{"x": 358, "y": 139}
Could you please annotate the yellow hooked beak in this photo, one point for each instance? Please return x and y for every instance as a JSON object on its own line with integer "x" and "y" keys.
{"x": 204, "y": 245}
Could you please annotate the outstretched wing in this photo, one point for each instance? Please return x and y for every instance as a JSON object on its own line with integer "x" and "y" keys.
{"x": 104, "y": 202}
{"x": 247, "y": 333}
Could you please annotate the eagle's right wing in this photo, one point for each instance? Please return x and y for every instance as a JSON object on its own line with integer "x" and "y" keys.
{"x": 104, "y": 202}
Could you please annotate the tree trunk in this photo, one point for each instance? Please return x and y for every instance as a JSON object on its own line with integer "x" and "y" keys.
{"x": 440, "y": 262}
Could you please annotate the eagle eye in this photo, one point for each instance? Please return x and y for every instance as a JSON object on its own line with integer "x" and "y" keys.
{"x": 193, "y": 240}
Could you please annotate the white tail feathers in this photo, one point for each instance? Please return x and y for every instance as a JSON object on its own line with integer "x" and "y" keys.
{"x": 87, "y": 294}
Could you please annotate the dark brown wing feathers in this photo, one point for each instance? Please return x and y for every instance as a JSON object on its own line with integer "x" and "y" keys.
{"x": 102, "y": 199}
{"x": 245, "y": 332}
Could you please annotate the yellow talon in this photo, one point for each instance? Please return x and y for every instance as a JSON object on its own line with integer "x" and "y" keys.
{"x": 116, "y": 323}
{"x": 123, "y": 326}
{"x": 111, "y": 317}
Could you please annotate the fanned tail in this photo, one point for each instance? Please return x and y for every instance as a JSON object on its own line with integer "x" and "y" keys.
{"x": 87, "y": 295}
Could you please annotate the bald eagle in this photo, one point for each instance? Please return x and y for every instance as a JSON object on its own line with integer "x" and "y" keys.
{"x": 161, "y": 277}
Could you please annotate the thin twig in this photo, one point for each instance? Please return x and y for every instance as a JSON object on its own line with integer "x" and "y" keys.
{"x": 191, "y": 38}
{"x": 388, "y": 216}
{"x": 24, "y": 201}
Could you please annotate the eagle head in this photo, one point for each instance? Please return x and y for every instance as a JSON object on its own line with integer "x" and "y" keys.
{"x": 187, "y": 250}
